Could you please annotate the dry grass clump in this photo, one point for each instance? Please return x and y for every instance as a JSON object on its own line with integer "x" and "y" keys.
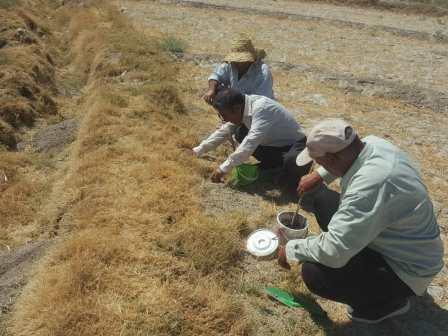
{"x": 7, "y": 137}
{"x": 26, "y": 89}
{"x": 210, "y": 244}
{"x": 26, "y": 75}
{"x": 71, "y": 288}
{"x": 172, "y": 105}
{"x": 8, "y": 3}
{"x": 138, "y": 256}
{"x": 22, "y": 191}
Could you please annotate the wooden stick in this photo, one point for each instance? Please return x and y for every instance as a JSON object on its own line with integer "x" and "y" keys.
{"x": 300, "y": 198}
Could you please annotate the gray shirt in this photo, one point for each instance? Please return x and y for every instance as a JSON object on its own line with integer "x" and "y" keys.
{"x": 384, "y": 205}
{"x": 257, "y": 80}
{"x": 269, "y": 124}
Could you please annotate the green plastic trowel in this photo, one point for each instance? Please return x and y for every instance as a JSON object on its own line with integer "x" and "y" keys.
{"x": 289, "y": 300}
{"x": 283, "y": 297}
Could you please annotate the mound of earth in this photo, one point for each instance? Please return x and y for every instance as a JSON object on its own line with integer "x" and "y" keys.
{"x": 26, "y": 74}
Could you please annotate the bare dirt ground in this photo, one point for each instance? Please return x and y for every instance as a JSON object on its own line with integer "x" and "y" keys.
{"x": 14, "y": 270}
{"x": 384, "y": 72}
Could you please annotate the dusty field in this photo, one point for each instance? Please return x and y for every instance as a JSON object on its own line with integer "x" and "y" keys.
{"x": 385, "y": 72}
{"x": 108, "y": 226}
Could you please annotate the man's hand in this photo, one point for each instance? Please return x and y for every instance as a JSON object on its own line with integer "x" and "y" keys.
{"x": 218, "y": 176}
{"x": 281, "y": 236}
{"x": 194, "y": 151}
{"x": 209, "y": 96}
{"x": 309, "y": 182}
{"x": 281, "y": 258}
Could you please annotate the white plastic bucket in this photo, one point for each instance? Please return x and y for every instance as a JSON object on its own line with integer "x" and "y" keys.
{"x": 298, "y": 231}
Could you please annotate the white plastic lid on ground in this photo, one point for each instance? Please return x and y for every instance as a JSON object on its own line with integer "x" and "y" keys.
{"x": 262, "y": 243}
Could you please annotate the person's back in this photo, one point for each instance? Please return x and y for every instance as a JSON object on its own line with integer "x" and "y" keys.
{"x": 379, "y": 242}
{"x": 256, "y": 81}
{"x": 263, "y": 128}
{"x": 283, "y": 128}
{"x": 243, "y": 70}
{"x": 410, "y": 240}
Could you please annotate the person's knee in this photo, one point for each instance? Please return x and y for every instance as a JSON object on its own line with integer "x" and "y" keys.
{"x": 327, "y": 196}
{"x": 290, "y": 165}
{"x": 290, "y": 160}
{"x": 313, "y": 278}
{"x": 326, "y": 203}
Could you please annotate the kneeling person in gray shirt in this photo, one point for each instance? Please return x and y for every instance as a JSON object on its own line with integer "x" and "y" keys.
{"x": 274, "y": 137}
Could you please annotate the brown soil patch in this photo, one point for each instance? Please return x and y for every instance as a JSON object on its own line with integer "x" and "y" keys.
{"x": 52, "y": 138}
{"x": 15, "y": 265}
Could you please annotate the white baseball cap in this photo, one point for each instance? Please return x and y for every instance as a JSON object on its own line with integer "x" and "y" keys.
{"x": 328, "y": 136}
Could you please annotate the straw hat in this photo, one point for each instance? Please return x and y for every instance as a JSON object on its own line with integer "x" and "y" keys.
{"x": 242, "y": 50}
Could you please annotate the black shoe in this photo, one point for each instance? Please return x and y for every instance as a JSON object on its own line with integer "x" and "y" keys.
{"x": 379, "y": 314}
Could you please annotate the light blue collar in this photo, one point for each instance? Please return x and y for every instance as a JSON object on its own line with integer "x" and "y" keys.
{"x": 357, "y": 164}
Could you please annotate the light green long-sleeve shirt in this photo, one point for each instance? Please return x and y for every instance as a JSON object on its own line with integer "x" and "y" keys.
{"x": 385, "y": 206}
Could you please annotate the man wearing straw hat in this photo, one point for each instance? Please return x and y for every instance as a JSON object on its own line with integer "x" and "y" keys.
{"x": 380, "y": 242}
{"x": 243, "y": 70}
{"x": 274, "y": 136}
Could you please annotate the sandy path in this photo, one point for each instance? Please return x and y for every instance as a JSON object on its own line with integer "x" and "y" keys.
{"x": 365, "y": 16}
{"x": 331, "y": 48}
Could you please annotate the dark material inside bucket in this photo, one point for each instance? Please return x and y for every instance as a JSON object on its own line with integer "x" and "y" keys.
{"x": 299, "y": 221}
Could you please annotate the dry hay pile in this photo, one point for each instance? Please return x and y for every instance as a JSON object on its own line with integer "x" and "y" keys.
{"x": 26, "y": 73}
{"x": 27, "y": 84}
{"x": 137, "y": 255}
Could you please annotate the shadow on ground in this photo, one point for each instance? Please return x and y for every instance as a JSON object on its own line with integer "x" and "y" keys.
{"x": 268, "y": 188}
{"x": 426, "y": 317}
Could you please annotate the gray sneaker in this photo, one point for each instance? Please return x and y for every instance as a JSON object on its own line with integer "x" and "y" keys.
{"x": 379, "y": 314}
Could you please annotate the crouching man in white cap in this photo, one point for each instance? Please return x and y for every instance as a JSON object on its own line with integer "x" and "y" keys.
{"x": 380, "y": 242}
